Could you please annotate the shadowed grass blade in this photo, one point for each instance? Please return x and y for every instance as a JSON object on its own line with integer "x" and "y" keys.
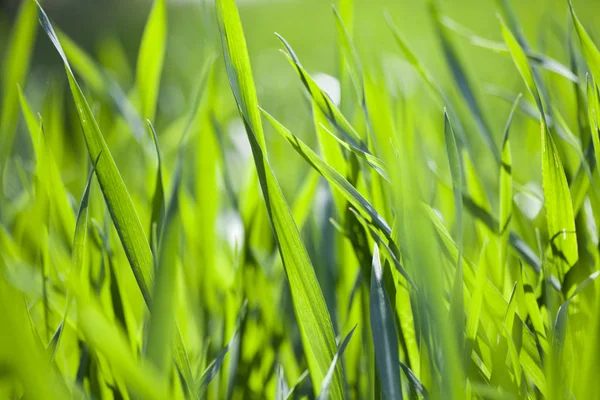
{"x": 383, "y": 329}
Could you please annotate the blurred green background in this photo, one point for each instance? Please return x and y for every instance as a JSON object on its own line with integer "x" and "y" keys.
{"x": 110, "y": 32}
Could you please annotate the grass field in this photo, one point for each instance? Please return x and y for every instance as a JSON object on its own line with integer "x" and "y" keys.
{"x": 379, "y": 201}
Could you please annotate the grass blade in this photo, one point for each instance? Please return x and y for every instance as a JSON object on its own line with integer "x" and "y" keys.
{"x": 324, "y": 395}
{"x": 151, "y": 57}
{"x": 14, "y": 72}
{"x": 313, "y": 319}
{"x": 383, "y": 329}
{"x": 117, "y": 198}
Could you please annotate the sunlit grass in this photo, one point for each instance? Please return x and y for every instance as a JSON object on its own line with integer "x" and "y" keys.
{"x": 148, "y": 257}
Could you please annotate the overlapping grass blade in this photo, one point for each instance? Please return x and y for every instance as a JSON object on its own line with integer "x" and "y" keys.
{"x": 313, "y": 319}
{"x": 117, "y": 198}
{"x": 324, "y": 394}
{"x": 384, "y": 333}
{"x": 352, "y": 195}
{"x": 462, "y": 81}
{"x": 157, "y": 218}
{"x": 590, "y": 51}
{"x": 558, "y": 204}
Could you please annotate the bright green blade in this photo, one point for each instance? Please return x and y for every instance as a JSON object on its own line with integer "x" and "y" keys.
{"x": 590, "y": 51}
{"x": 14, "y": 72}
{"x": 117, "y": 198}
{"x": 313, "y": 319}
{"x": 151, "y": 57}
{"x": 352, "y": 195}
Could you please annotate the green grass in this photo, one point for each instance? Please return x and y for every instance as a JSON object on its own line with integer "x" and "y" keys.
{"x": 426, "y": 235}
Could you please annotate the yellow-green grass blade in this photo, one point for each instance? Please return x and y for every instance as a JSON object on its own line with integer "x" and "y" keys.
{"x": 151, "y": 57}
{"x": 47, "y": 170}
{"x": 314, "y": 321}
{"x": 21, "y": 353}
{"x": 590, "y": 51}
{"x": 120, "y": 205}
{"x": 14, "y": 72}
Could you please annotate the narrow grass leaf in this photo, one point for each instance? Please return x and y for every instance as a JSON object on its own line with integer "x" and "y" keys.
{"x": 384, "y": 334}
{"x": 314, "y": 321}
{"x": 505, "y": 190}
{"x": 113, "y": 188}
{"x": 151, "y": 57}
{"x": 352, "y": 195}
{"x": 14, "y": 72}
{"x": 590, "y": 51}
{"x": 324, "y": 394}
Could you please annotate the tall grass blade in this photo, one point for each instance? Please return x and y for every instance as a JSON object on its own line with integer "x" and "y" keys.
{"x": 384, "y": 333}
{"x": 313, "y": 319}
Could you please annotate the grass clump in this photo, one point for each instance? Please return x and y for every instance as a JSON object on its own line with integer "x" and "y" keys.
{"x": 431, "y": 248}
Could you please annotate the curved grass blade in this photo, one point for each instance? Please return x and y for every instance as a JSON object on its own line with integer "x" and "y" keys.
{"x": 375, "y": 163}
{"x": 323, "y": 101}
{"x": 385, "y": 338}
{"x": 314, "y": 321}
{"x": 333, "y": 177}
{"x": 324, "y": 395}
{"x": 151, "y": 57}
{"x": 117, "y": 198}
{"x": 590, "y": 51}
